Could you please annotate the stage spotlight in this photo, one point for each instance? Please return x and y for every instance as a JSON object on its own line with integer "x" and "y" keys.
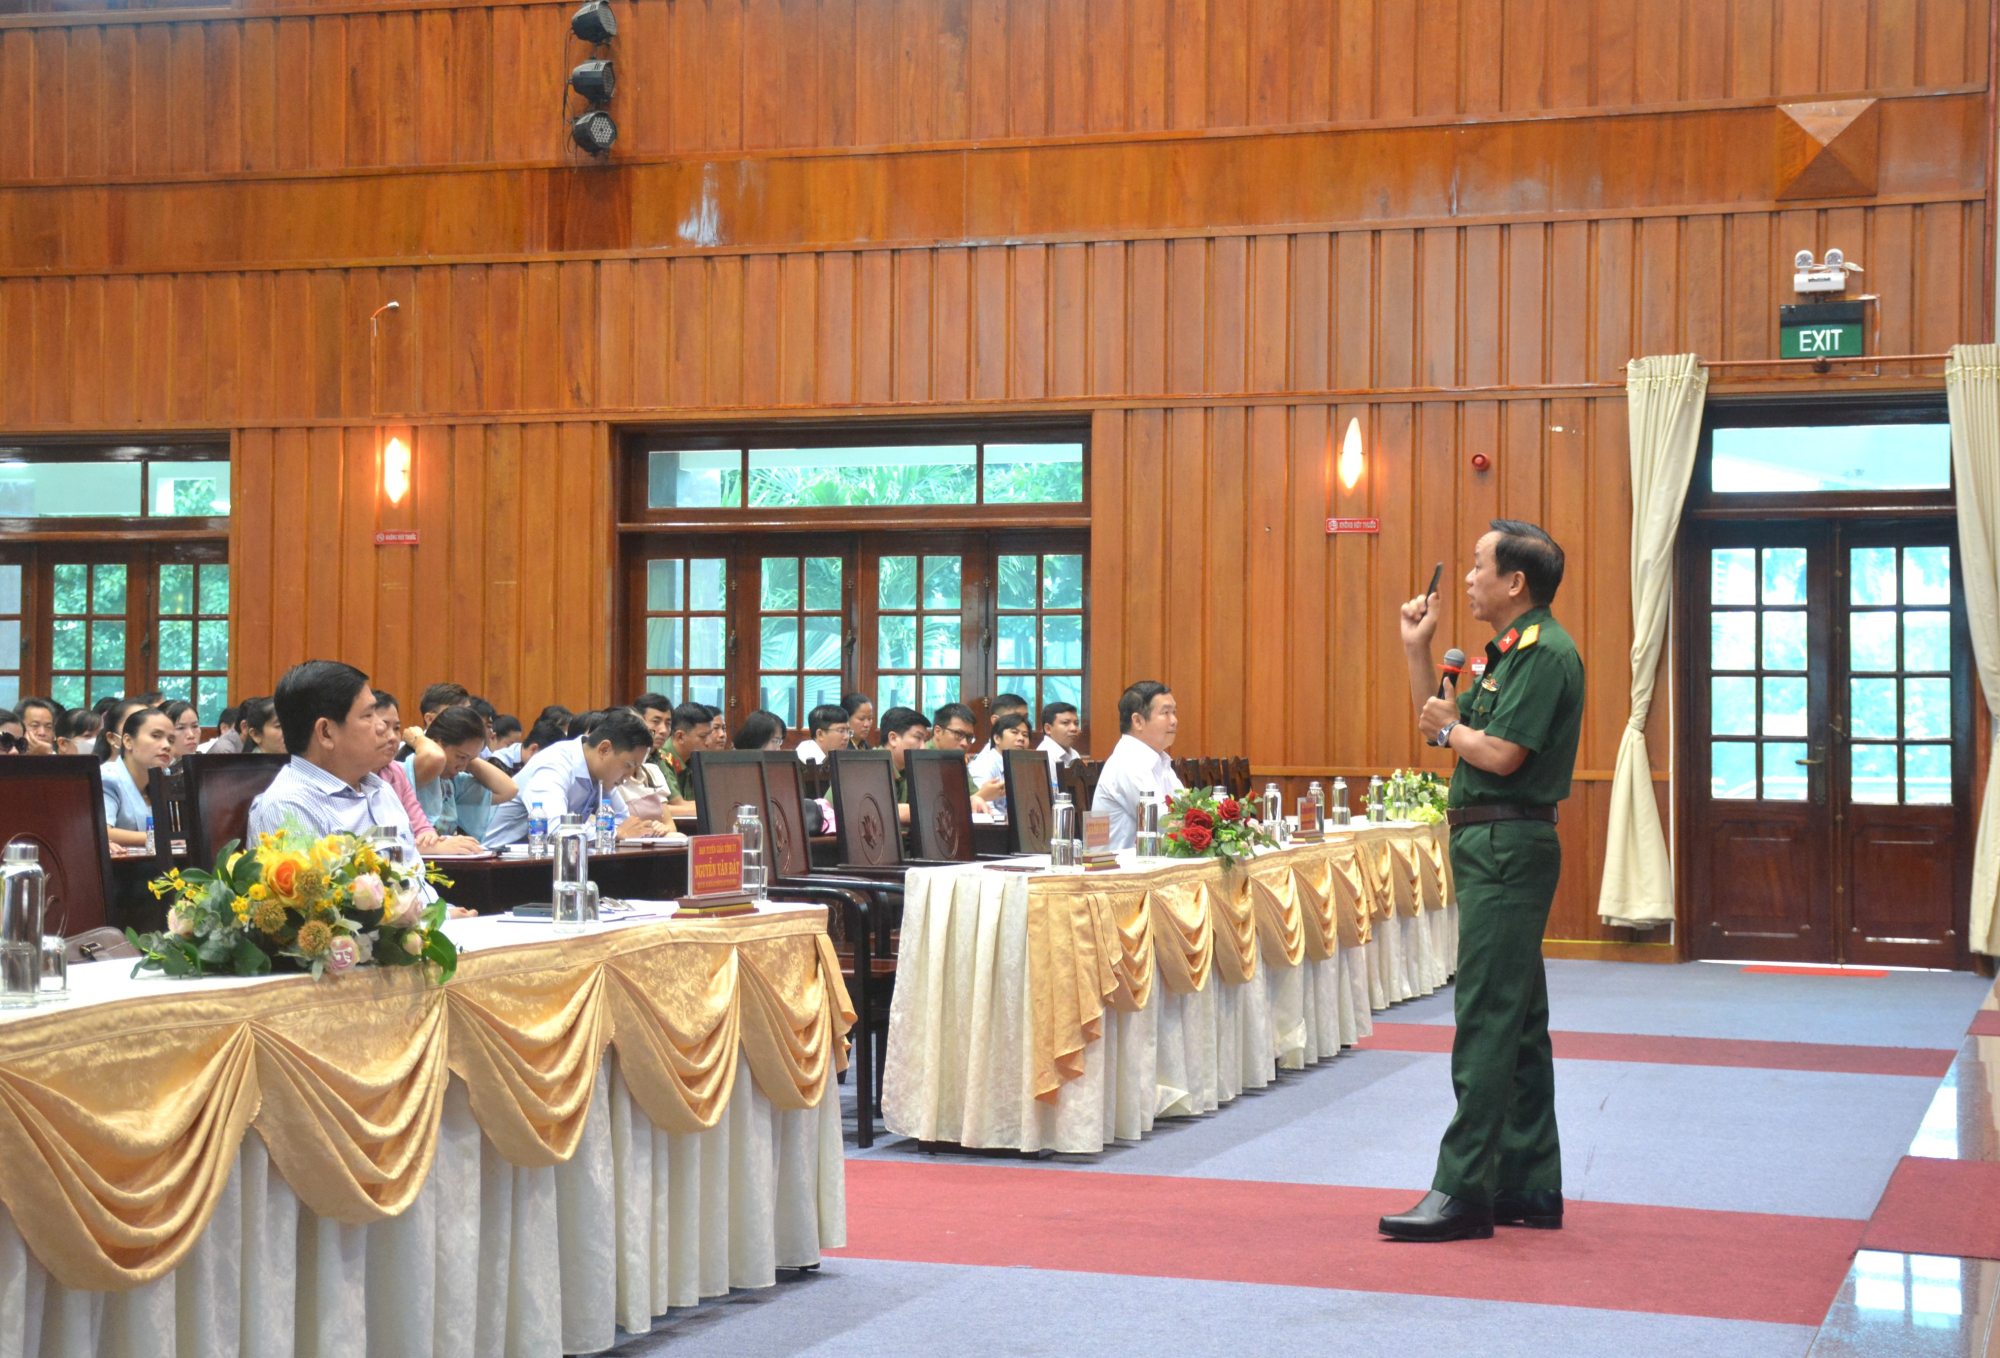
{"x": 594, "y": 23}
{"x": 594, "y": 131}
{"x": 594, "y": 80}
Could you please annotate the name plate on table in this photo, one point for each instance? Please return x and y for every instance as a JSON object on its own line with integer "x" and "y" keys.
{"x": 1098, "y": 855}
{"x": 715, "y": 878}
{"x": 1310, "y": 831}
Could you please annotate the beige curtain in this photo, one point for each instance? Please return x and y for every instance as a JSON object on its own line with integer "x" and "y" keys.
{"x": 1972, "y": 386}
{"x": 1663, "y": 396}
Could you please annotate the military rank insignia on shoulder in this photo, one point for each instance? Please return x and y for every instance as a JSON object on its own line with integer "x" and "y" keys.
{"x": 1489, "y": 685}
{"x": 1530, "y": 637}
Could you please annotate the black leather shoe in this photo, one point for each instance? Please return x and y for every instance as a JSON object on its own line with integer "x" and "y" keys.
{"x": 1540, "y": 1210}
{"x": 1440, "y": 1217}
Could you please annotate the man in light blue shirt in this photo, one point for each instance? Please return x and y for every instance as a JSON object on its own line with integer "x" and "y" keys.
{"x": 327, "y": 712}
{"x": 571, "y": 775}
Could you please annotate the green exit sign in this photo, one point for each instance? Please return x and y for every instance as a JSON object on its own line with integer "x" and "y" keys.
{"x": 1820, "y": 330}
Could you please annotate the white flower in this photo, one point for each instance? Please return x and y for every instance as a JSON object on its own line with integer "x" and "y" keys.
{"x": 405, "y": 907}
{"x": 343, "y": 955}
{"x": 180, "y": 919}
{"x": 413, "y": 943}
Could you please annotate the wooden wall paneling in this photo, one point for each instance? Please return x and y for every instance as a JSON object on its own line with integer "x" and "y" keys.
{"x": 461, "y": 585}
{"x": 1110, "y": 570}
{"x": 252, "y": 578}
{"x": 1393, "y": 470}
{"x": 1226, "y": 544}
{"x": 762, "y": 330}
{"x": 1480, "y": 289}
{"x": 1298, "y": 490}
{"x": 1258, "y": 595}
{"x": 1657, "y": 327}
{"x": 989, "y": 321}
{"x": 502, "y": 576}
{"x": 1177, "y": 574}
{"x": 1345, "y": 578}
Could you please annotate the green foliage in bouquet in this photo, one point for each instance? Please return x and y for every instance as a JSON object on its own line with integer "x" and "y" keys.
{"x": 1203, "y": 827}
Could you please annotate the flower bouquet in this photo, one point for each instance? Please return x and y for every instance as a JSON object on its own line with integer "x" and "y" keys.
{"x": 1204, "y": 827}
{"x": 321, "y": 905}
{"x": 1419, "y": 796}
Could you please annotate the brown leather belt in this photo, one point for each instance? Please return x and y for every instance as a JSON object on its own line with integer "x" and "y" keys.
{"x": 1479, "y": 815}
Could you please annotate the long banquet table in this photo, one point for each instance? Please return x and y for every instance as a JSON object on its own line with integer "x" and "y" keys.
{"x": 575, "y": 1134}
{"x": 1060, "y": 1011}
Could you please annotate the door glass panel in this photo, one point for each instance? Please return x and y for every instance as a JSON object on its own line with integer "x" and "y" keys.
{"x": 1872, "y": 709}
{"x": 781, "y": 643}
{"x": 705, "y": 645}
{"x": 1927, "y": 775}
{"x": 940, "y": 643}
{"x": 663, "y": 643}
{"x": 11, "y": 620}
{"x": 1885, "y": 583}
{"x": 1927, "y": 575}
{"x": 1784, "y": 575}
{"x": 822, "y": 643}
{"x": 1785, "y": 640}
{"x": 896, "y": 645}
{"x": 1784, "y": 707}
{"x": 779, "y": 694}
{"x": 1015, "y": 582}
{"x": 781, "y": 583}
{"x": 1784, "y": 775}
{"x": 685, "y": 628}
{"x": 1016, "y": 649}
{"x": 1872, "y": 575}
{"x": 1732, "y": 641}
{"x": 897, "y": 581}
{"x": 1732, "y": 707}
{"x": 707, "y": 589}
{"x": 1733, "y": 770}
{"x": 800, "y": 651}
{"x": 941, "y": 581}
{"x": 1871, "y": 641}
{"x": 1872, "y": 774}
{"x": 1927, "y": 642}
{"x": 1926, "y": 709}
{"x": 823, "y": 583}
{"x": 1733, "y": 575}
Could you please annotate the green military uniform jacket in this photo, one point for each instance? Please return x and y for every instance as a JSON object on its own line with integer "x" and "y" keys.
{"x": 680, "y": 787}
{"x": 1532, "y": 695}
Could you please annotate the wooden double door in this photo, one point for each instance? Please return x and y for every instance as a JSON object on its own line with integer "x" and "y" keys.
{"x": 1829, "y": 742}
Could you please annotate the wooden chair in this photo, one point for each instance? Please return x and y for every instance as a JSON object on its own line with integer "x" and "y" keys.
{"x": 1239, "y": 776}
{"x": 940, "y": 805}
{"x": 56, "y": 803}
{"x": 1031, "y": 817}
{"x": 1188, "y": 771}
{"x": 1213, "y": 772}
{"x": 220, "y": 788}
{"x": 865, "y": 824}
{"x": 724, "y": 780}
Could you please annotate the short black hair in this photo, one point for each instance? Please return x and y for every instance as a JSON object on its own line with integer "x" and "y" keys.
{"x": 256, "y": 713}
{"x": 825, "y": 717}
{"x": 505, "y": 724}
{"x": 175, "y": 707}
{"x": 103, "y": 705}
{"x": 456, "y": 725}
{"x": 1526, "y": 548}
{"x": 690, "y": 715}
{"x": 1050, "y": 711}
{"x": 624, "y": 728}
{"x": 481, "y": 706}
{"x": 554, "y": 712}
{"x": 1137, "y": 701}
{"x": 1010, "y": 702}
{"x": 652, "y": 702}
{"x": 227, "y": 717}
{"x": 77, "y": 722}
{"x": 440, "y": 696}
{"x": 582, "y": 722}
{"x": 1005, "y": 722}
{"x": 757, "y": 729}
{"x": 308, "y": 692}
{"x": 47, "y": 705}
{"x": 954, "y": 712}
{"x": 854, "y": 702}
{"x": 897, "y": 720}
{"x": 548, "y": 731}
{"x": 384, "y": 698}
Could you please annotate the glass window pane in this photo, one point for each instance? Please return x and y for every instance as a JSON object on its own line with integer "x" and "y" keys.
{"x": 1732, "y": 575}
{"x": 939, "y": 689}
{"x": 1732, "y": 641}
{"x": 1927, "y": 775}
{"x": 10, "y": 589}
{"x": 940, "y": 643}
{"x": 189, "y": 488}
{"x": 1062, "y": 688}
{"x": 10, "y": 647}
{"x": 663, "y": 643}
{"x": 819, "y": 690}
{"x": 663, "y": 584}
{"x": 896, "y": 586}
{"x": 1017, "y": 582}
{"x": 1871, "y": 575}
{"x": 1784, "y": 776}
{"x": 1784, "y": 575}
{"x": 896, "y": 690}
{"x": 1871, "y": 641}
{"x": 104, "y": 686}
{"x": 176, "y": 685}
{"x": 896, "y": 643}
{"x": 212, "y": 695}
{"x": 1062, "y": 581}
{"x": 706, "y": 591}
{"x": 780, "y": 646}
{"x": 1034, "y": 473}
{"x": 214, "y": 644}
{"x": 177, "y": 590}
{"x": 823, "y": 645}
{"x": 1871, "y": 774}
{"x": 107, "y": 589}
{"x": 66, "y": 645}
{"x": 10, "y": 690}
{"x": 781, "y": 583}
{"x": 1732, "y": 771}
{"x": 1016, "y": 648}
{"x": 779, "y": 693}
{"x": 667, "y": 686}
{"x": 67, "y": 689}
{"x": 107, "y": 646}
{"x": 944, "y": 475}
{"x": 941, "y": 581}
{"x": 1871, "y": 709}
{"x": 1732, "y": 707}
{"x": 1833, "y": 458}
{"x": 694, "y": 479}
{"x": 1927, "y": 641}
{"x": 176, "y": 646}
{"x": 1927, "y": 575}
{"x": 1784, "y": 707}
{"x": 706, "y": 689}
{"x": 705, "y": 638}
{"x": 72, "y": 588}
{"x": 1784, "y": 640}
{"x": 823, "y": 582}
{"x": 32, "y": 490}
{"x": 215, "y": 588}
{"x": 1062, "y": 642}
{"x": 1926, "y": 709}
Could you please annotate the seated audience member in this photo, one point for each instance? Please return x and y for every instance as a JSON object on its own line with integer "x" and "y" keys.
{"x": 986, "y": 765}
{"x": 761, "y": 730}
{"x": 718, "y": 730}
{"x": 903, "y": 729}
{"x": 580, "y": 724}
{"x": 828, "y": 730}
{"x": 187, "y": 726}
{"x": 13, "y": 735}
{"x": 110, "y": 741}
{"x": 507, "y": 735}
{"x": 1061, "y": 729}
{"x": 226, "y": 740}
{"x": 388, "y": 716}
{"x": 687, "y": 731}
{"x": 543, "y": 735}
{"x": 646, "y": 792}
{"x": 326, "y": 711}
{"x": 570, "y": 777}
{"x": 956, "y": 728}
{"x": 860, "y": 720}
{"x": 1010, "y": 732}
{"x": 77, "y": 731}
{"x": 438, "y": 697}
{"x": 486, "y": 715}
{"x": 257, "y": 722}
{"x": 455, "y": 786}
{"x": 657, "y": 711}
{"x": 38, "y": 721}
{"x": 1147, "y": 720}
{"x": 145, "y": 746}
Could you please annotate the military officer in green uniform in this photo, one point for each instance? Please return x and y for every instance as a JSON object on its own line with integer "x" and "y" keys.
{"x": 1514, "y": 731}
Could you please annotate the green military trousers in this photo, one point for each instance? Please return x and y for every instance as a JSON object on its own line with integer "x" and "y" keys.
{"x": 1503, "y": 1135}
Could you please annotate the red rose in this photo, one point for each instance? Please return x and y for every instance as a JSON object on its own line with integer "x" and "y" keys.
{"x": 1229, "y": 808}
{"x": 1198, "y": 837}
{"x": 1196, "y": 816}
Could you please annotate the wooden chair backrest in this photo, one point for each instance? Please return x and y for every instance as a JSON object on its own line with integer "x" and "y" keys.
{"x": 56, "y": 803}
{"x": 724, "y": 780}
{"x": 1239, "y": 776}
{"x": 865, "y": 823}
{"x": 940, "y": 805}
{"x": 785, "y": 814}
{"x": 1031, "y": 817}
{"x": 220, "y": 788}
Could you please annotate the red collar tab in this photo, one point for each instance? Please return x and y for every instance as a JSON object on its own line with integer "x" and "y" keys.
{"x": 1506, "y": 643}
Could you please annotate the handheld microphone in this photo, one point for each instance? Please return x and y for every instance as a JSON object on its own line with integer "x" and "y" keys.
{"x": 1450, "y": 667}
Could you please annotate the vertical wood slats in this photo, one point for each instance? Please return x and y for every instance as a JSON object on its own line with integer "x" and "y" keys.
{"x": 281, "y": 88}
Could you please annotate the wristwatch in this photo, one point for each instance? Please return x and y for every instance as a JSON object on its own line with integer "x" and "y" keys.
{"x": 1444, "y": 736}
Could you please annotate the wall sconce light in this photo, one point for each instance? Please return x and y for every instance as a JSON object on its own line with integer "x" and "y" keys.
{"x": 1352, "y": 463}
{"x": 396, "y": 470}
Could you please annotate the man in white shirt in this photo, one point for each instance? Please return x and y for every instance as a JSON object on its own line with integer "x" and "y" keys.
{"x": 569, "y": 777}
{"x": 1147, "y": 721}
{"x": 327, "y": 712}
{"x": 989, "y": 763}
{"x": 828, "y": 728}
{"x": 1061, "y": 729}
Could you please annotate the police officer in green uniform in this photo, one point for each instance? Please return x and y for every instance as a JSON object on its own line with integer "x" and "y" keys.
{"x": 1514, "y": 732}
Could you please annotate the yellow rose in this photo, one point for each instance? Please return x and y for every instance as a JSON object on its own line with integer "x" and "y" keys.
{"x": 259, "y": 892}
